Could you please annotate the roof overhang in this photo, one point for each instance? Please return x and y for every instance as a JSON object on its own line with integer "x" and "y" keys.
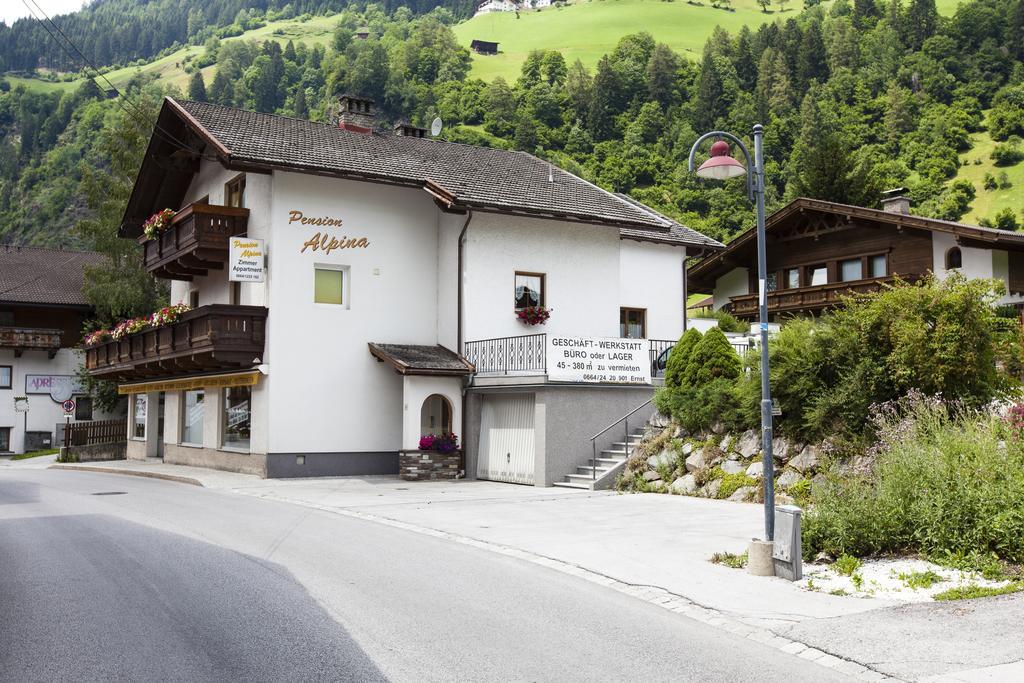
{"x": 407, "y": 359}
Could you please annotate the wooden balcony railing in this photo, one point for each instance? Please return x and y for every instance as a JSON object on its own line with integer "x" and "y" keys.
{"x": 209, "y": 338}
{"x": 805, "y": 298}
{"x": 30, "y": 339}
{"x": 196, "y": 242}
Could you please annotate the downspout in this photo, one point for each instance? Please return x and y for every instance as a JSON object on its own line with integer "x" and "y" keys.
{"x": 685, "y": 293}
{"x": 458, "y": 341}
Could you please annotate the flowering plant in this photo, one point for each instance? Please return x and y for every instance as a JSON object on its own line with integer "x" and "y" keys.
{"x": 168, "y": 314}
{"x": 534, "y": 315}
{"x": 427, "y": 442}
{"x": 157, "y": 223}
{"x": 130, "y": 326}
{"x": 96, "y": 337}
{"x": 446, "y": 443}
{"x": 1015, "y": 418}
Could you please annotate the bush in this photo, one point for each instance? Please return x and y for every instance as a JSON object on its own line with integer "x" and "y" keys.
{"x": 1007, "y": 153}
{"x": 712, "y": 358}
{"x": 947, "y": 481}
{"x": 679, "y": 358}
{"x": 727, "y": 322}
{"x": 698, "y": 406}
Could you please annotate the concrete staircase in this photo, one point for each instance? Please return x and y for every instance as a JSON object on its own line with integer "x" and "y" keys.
{"x": 609, "y": 464}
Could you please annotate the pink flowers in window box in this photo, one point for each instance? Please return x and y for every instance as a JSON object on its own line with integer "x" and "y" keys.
{"x": 168, "y": 314}
{"x": 157, "y": 223}
{"x": 442, "y": 443}
{"x": 165, "y": 316}
{"x": 534, "y": 315}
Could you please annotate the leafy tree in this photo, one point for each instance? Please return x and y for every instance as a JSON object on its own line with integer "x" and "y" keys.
{"x": 661, "y": 75}
{"x": 1006, "y": 219}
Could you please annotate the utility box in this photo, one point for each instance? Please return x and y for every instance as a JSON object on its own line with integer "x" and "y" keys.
{"x": 787, "y": 553}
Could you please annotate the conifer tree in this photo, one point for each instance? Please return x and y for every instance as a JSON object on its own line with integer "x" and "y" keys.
{"x": 197, "y": 87}
{"x": 712, "y": 358}
{"x": 679, "y": 358}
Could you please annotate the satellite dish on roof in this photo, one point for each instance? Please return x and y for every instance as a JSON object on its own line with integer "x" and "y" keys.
{"x": 435, "y": 126}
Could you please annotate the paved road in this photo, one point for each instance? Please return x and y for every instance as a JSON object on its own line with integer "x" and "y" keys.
{"x": 113, "y": 577}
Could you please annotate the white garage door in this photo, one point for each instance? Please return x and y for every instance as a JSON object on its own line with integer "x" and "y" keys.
{"x": 506, "y": 438}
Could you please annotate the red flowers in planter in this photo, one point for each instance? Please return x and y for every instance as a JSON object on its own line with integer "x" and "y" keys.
{"x": 442, "y": 443}
{"x": 157, "y": 223}
{"x": 534, "y": 315}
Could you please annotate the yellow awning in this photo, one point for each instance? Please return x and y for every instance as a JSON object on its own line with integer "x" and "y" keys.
{"x": 248, "y": 378}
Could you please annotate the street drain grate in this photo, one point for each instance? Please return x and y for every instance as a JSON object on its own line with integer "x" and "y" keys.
{"x": 110, "y": 493}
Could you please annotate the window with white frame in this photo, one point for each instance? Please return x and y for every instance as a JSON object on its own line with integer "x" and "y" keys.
{"x": 192, "y": 417}
{"x": 139, "y": 407}
{"x": 6, "y": 376}
{"x": 330, "y": 285}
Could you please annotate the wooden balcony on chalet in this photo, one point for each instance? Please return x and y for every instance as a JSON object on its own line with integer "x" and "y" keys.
{"x": 196, "y": 242}
{"x": 805, "y": 299}
{"x": 210, "y": 338}
{"x": 30, "y": 339}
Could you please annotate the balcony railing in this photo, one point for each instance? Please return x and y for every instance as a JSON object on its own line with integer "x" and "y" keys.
{"x": 215, "y": 337}
{"x": 805, "y": 298}
{"x": 30, "y": 339}
{"x": 196, "y": 242}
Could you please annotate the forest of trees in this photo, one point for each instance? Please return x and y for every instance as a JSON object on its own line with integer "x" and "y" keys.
{"x": 855, "y": 98}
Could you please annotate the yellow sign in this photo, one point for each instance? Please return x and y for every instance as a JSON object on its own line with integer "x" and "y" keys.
{"x": 238, "y": 379}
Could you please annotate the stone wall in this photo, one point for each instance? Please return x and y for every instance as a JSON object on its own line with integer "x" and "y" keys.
{"x": 428, "y": 465}
{"x": 93, "y": 453}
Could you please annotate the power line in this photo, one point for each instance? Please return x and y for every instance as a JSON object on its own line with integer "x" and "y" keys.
{"x": 168, "y": 137}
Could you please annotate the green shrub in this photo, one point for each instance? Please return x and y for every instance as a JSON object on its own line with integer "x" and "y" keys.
{"x": 1007, "y": 153}
{"x": 925, "y": 579}
{"x": 731, "y": 560}
{"x": 846, "y": 565}
{"x": 727, "y": 322}
{"x": 733, "y": 482}
{"x": 946, "y": 481}
{"x": 679, "y": 358}
{"x": 696, "y": 408}
{"x": 712, "y": 358}
{"x": 974, "y": 591}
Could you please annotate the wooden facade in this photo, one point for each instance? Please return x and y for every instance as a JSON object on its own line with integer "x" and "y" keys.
{"x": 195, "y": 243}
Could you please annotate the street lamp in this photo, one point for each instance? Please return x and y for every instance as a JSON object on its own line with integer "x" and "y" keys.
{"x": 721, "y": 166}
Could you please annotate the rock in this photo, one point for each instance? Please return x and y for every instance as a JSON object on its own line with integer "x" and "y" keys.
{"x": 696, "y": 461}
{"x": 749, "y": 444}
{"x": 679, "y": 433}
{"x": 781, "y": 449}
{"x": 657, "y": 485}
{"x": 651, "y": 475}
{"x": 660, "y": 421}
{"x": 687, "y": 448}
{"x": 784, "y": 499}
{"x": 824, "y": 558}
{"x": 806, "y": 461}
{"x": 717, "y": 428}
{"x": 713, "y": 456}
{"x": 686, "y": 485}
{"x": 787, "y": 479}
{"x": 726, "y": 443}
{"x": 755, "y": 470}
{"x": 666, "y": 457}
{"x": 743, "y": 493}
{"x": 734, "y": 456}
{"x": 732, "y": 467}
{"x": 710, "y": 490}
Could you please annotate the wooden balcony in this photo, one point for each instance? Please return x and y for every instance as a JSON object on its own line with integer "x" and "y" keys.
{"x": 210, "y": 338}
{"x": 805, "y": 299}
{"x": 196, "y": 242}
{"x": 30, "y": 339}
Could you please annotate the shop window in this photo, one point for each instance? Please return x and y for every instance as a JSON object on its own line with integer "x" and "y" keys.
{"x": 879, "y": 267}
{"x": 5, "y": 439}
{"x": 632, "y": 323}
{"x": 792, "y": 278}
{"x": 436, "y": 415}
{"x": 954, "y": 259}
{"x": 6, "y": 376}
{"x": 851, "y": 269}
{"x": 529, "y": 290}
{"x": 817, "y": 275}
{"x": 329, "y": 285}
{"x": 234, "y": 192}
{"x": 192, "y": 417}
{"x": 139, "y": 407}
{"x": 83, "y": 407}
{"x": 237, "y": 418}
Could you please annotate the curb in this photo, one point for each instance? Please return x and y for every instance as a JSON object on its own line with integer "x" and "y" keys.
{"x": 654, "y": 595}
{"x": 130, "y": 473}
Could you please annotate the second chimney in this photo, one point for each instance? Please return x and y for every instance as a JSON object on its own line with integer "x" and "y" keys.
{"x": 356, "y": 114}
{"x": 894, "y": 201}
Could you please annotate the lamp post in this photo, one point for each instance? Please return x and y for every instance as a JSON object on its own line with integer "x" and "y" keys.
{"x": 721, "y": 166}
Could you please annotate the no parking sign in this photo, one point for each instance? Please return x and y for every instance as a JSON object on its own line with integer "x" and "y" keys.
{"x": 68, "y": 406}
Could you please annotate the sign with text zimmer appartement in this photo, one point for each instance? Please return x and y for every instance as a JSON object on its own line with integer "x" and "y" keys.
{"x": 245, "y": 260}
{"x": 602, "y": 360}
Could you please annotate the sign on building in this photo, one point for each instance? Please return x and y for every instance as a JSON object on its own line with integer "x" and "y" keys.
{"x": 245, "y": 260}
{"x": 59, "y": 387}
{"x": 601, "y": 360}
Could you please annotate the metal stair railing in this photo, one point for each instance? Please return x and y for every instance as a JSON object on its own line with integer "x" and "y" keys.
{"x": 623, "y": 419}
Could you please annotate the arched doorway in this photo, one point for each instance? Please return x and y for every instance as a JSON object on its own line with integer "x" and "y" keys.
{"x": 436, "y": 415}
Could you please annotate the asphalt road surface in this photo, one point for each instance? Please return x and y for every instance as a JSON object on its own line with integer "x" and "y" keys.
{"x": 108, "y": 577}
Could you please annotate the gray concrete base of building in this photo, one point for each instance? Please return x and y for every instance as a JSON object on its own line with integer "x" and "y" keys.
{"x": 283, "y": 465}
{"x": 564, "y": 418}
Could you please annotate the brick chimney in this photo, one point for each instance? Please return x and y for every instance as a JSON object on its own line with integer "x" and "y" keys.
{"x": 408, "y": 130}
{"x": 894, "y": 201}
{"x": 356, "y": 114}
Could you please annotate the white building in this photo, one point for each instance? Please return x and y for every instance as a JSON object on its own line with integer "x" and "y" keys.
{"x": 41, "y": 315}
{"x": 510, "y": 6}
{"x": 395, "y": 267}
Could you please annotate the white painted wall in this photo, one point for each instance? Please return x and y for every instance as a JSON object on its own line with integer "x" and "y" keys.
{"x": 581, "y": 263}
{"x": 734, "y": 283}
{"x": 977, "y": 263}
{"x": 44, "y": 413}
{"x": 651, "y": 277}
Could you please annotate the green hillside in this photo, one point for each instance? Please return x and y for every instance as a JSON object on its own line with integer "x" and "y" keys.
{"x": 988, "y": 202}
{"x": 588, "y": 29}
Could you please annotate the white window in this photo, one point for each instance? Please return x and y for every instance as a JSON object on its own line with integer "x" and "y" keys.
{"x": 817, "y": 275}
{"x": 192, "y": 418}
{"x": 878, "y": 266}
{"x": 330, "y": 285}
{"x": 139, "y": 406}
{"x": 237, "y": 418}
{"x": 851, "y": 269}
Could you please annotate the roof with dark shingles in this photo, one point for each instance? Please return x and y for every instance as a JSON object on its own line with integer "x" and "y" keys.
{"x": 477, "y": 177}
{"x": 679, "y": 233}
{"x": 36, "y": 275}
{"x": 415, "y": 359}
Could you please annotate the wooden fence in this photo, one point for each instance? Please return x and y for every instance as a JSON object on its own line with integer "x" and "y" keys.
{"x": 97, "y": 432}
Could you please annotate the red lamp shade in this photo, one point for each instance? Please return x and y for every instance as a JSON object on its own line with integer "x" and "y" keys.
{"x": 720, "y": 166}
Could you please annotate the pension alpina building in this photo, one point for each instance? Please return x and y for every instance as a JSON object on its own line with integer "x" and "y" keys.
{"x": 345, "y": 292}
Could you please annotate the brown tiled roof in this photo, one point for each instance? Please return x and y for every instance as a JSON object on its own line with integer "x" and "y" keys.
{"x": 678, "y": 234}
{"x": 414, "y": 359}
{"x": 463, "y": 176}
{"x": 34, "y": 275}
